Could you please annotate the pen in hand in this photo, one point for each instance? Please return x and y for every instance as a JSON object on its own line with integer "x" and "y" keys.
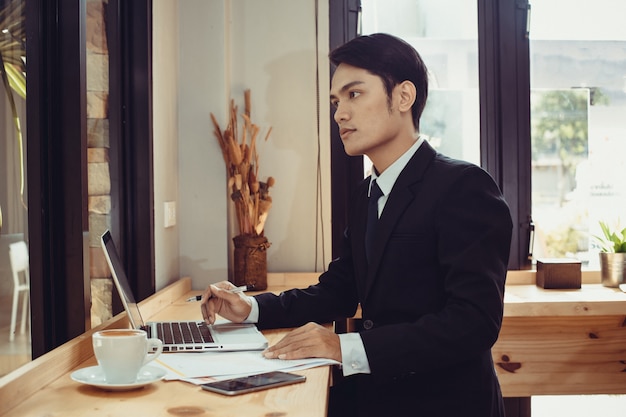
{"x": 233, "y": 291}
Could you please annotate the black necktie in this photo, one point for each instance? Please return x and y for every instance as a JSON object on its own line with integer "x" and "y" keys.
{"x": 372, "y": 217}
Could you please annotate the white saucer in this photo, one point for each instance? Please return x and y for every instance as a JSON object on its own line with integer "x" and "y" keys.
{"x": 94, "y": 376}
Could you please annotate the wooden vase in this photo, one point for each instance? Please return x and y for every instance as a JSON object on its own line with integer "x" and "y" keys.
{"x": 250, "y": 261}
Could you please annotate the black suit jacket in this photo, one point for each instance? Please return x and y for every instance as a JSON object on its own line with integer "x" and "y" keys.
{"x": 431, "y": 297}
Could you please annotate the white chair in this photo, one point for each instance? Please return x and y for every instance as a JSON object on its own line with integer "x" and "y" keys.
{"x": 18, "y": 255}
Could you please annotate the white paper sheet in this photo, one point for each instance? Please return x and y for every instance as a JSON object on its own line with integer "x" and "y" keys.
{"x": 222, "y": 365}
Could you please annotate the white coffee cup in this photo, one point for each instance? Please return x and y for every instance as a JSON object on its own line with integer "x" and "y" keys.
{"x": 121, "y": 353}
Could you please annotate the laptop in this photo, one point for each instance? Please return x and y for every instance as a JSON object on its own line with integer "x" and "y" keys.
{"x": 181, "y": 336}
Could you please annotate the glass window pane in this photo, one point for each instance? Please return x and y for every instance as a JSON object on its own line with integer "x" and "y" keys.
{"x": 448, "y": 44}
{"x": 578, "y": 124}
{"x": 15, "y": 344}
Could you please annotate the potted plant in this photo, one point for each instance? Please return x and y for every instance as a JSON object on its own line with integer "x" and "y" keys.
{"x": 612, "y": 255}
{"x": 250, "y": 196}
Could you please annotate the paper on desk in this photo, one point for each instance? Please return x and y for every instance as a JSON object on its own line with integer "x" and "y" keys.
{"x": 311, "y": 363}
{"x": 223, "y": 365}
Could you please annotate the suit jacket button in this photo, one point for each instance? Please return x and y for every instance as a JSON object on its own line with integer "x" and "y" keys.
{"x": 368, "y": 324}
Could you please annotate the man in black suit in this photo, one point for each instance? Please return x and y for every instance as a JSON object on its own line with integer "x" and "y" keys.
{"x": 429, "y": 275}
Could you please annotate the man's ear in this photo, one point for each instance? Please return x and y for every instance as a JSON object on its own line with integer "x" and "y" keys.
{"x": 407, "y": 92}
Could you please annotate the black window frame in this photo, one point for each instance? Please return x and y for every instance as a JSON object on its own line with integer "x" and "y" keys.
{"x": 129, "y": 33}
{"x": 504, "y": 80}
{"x": 56, "y": 171}
{"x": 345, "y": 171}
{"x": 58, "y": 221}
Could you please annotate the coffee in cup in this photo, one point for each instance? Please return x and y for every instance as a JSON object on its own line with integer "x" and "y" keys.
{"x": 121, "y": 353}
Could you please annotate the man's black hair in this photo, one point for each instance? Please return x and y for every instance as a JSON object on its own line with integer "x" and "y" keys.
{"x": 390, "y": 58}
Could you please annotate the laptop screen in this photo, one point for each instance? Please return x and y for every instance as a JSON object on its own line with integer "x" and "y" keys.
{"x": 121, "y": 281}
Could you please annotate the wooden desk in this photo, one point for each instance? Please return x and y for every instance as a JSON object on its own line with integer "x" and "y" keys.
{"x": 562, "y": 341}
{"x": 551, "y": 342}
{"x": 555, "y": 342}
{"x": 44, "y": 387}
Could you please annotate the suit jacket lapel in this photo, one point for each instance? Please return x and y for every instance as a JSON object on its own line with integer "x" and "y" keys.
{"x": 403, "y": 193}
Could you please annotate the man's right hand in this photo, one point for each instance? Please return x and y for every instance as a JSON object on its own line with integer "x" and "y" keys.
{"x": 219, "y": 300}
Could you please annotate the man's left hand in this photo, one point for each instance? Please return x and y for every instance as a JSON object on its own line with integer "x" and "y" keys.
{"x": 308, "y": 341}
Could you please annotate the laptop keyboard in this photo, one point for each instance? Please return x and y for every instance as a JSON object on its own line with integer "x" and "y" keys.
{"x": 184, "y": 332}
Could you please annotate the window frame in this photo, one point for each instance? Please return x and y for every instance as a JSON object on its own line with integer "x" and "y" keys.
{"x": 129, "y": 33}
{"x": 345, "y": 171}
{"x": 504, "y": 79}
{"x": 58, "y": 219}
{"x": 57, "y": 172}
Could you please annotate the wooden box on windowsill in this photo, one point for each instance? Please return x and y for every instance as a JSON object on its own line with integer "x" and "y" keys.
{"x": 558, "y": 273}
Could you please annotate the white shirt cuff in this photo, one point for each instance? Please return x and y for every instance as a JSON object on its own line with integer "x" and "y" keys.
{"x": 353, "y": 356}
{"x": 253, "y": 317}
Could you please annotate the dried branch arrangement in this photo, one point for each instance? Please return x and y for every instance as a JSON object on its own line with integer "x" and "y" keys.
{"x": 251, "y": 196}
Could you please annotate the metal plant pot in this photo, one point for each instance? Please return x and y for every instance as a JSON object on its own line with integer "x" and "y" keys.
{"x": 613, "y": 268}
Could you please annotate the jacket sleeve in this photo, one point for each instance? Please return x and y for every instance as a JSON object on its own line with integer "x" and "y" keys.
{"x": 334, "y": 297}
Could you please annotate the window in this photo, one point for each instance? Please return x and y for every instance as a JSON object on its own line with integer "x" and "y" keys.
{"x": 448, "y": 44}
{"x": 578, "y": 103}
{"x": 478, "y": 106}
{"x": 549, "y": 88}
{"x": 15, "y": 347}
{"x": 56, "y": 221}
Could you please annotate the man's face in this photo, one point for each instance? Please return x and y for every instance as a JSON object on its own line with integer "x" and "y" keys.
{"x": 367, "y": 122}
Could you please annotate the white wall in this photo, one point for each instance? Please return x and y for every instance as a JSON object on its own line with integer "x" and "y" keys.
{"x": 165, "y": 139}
{"x": 225, "y": 47}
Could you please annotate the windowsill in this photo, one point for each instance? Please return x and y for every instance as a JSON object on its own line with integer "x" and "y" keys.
{"x": 522, "y": 297}
{"x": 528, "y": 277}
{"x": 303, "y": 279}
